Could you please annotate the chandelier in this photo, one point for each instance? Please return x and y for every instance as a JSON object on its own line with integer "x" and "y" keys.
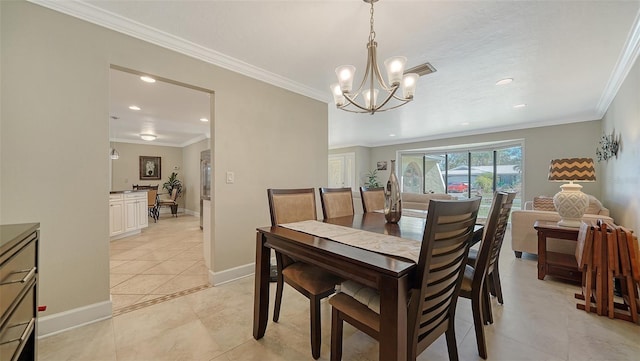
{"x": 365, "y": 98}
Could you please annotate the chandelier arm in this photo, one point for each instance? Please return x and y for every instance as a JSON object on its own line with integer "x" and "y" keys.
{"x": 391, "y": 95}
{"x": 376, "y": 69}
{"x": 364, "y": 110}
{"x": 402, "y": 99}
{"x": 353, "y": 102}
{"x": 366, "y": 74}
{"x": 393, "y": 107}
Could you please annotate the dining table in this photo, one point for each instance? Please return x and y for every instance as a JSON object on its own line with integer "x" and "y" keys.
{"x": 391, "y": 275}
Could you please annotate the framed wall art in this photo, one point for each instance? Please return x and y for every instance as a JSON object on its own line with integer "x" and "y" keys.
{"x": 150, "y": 168}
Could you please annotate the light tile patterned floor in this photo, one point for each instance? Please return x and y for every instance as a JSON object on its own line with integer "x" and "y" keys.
{"x": 539, "y": 321}
{"x": 165, "y": 259}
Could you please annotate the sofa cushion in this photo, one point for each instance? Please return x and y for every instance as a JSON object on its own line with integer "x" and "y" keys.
{"x": 543, "y": 203}
{"x": 421, "y": 201}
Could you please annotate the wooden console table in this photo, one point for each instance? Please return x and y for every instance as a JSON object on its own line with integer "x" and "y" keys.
{"x": 556, "y": 264}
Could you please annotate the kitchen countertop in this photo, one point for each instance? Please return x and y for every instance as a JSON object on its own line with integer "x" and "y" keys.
{"x": 128, "y": 191}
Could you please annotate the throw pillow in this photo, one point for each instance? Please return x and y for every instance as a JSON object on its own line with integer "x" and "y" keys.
{"x": 594, "y": 206}
{"x": 543, "y": 203}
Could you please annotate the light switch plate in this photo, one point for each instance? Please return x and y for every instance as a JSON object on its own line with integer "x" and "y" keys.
{"x": 230, "y": 177}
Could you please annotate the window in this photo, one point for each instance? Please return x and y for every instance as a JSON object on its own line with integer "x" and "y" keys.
{"x": 465, "y": 171}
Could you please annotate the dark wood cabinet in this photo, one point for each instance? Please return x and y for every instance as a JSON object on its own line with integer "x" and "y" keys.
{"x": 18, "y": 291}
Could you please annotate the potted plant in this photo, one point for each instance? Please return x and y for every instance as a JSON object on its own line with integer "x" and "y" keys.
{"x": 170, "y": 185}
{"x": 372, "y": 179}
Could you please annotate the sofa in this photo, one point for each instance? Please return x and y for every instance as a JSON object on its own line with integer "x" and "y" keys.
{"x": 524, "y": 238}
{"x": 410, "y": 201}
{"x": 419, "y": 201}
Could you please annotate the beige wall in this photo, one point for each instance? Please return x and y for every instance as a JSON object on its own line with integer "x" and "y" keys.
{"x": 126, "y": 170}
{"x": 540, "y": 146}
{"x": 622, "y": 174}
{"x": 191, "y": 173}
{"x": 55, "y": 83}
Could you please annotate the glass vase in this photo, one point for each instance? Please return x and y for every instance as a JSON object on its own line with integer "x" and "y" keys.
{"x": 392, "y": 201}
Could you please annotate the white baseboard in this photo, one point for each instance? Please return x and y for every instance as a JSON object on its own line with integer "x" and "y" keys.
{"x": 67, "y": 320}
{"x": 232, "y": 274}
{"x": 125, "y": 234}
{"x": 192, "y": 213}
{"x": 167, "y": 210}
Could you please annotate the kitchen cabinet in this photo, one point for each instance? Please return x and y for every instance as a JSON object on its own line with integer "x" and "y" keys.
{"x": 116, "y": 214}
{"x": 18, "y": 291}
{"x": 128, "y": 213}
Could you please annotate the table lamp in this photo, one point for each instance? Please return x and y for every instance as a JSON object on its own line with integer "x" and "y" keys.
{"x": 570, "y": 202}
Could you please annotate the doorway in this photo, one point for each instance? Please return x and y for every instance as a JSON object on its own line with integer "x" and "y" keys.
{"x": 167, "y": 257}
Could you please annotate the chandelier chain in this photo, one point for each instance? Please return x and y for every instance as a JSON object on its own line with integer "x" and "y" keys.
{"x": 372, "y": 33}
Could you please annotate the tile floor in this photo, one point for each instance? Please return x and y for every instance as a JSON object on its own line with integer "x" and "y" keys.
{"x": 539, "y": 321}
{"x": 165, "y": 259}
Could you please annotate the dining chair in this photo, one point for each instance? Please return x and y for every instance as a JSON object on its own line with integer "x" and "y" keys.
{"x": 432, "y": 298}
{"x": 288, "y": 206}
{"x": 152, "y": 204}
{"x": 336, "y": 202}
{"x": 474, "y": 283}
{"x": 372, "y": 198}
{"x": 171, "y": 202}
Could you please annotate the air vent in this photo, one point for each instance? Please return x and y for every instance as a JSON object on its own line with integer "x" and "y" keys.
{"x": 422, "y": 69}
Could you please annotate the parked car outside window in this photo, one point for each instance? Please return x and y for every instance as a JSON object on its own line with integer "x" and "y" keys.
{"x": 457, "y": 187}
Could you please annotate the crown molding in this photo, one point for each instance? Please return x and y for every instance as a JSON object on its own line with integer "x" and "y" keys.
{"x": 109, "y": 20}
{"x": 627, "y": 59}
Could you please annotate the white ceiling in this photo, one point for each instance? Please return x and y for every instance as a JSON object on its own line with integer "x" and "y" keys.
{"x": 567, "y": 58}
{"x": 169, "y": 111}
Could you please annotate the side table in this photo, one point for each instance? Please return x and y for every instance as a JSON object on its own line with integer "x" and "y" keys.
{"x": 556, "y": 264}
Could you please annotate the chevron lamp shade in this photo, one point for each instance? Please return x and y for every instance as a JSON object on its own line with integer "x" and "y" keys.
{"x": 572, "y": 169}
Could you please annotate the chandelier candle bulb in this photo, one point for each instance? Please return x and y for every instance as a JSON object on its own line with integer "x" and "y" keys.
{"x": 345, "y": 75}
{"x": 409, "y": 83}
{"x": 367, "y": 98}
{"x": 395, "y": 69}
{"x": 338, "y": 98}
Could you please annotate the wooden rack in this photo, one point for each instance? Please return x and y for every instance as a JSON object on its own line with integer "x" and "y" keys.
{"x": 605, "y": 253}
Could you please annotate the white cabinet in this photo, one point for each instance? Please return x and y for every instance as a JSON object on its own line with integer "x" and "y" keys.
{"x": 143, "y": 212}
{"x": 128, "y": 213}
{"x": 116, "y": 215}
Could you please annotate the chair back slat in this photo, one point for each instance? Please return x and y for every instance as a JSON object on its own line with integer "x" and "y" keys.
{"x": 443, "y": 255}
{"x": 292, "y": 205}
{"x": 336, "y": 202}
{"x": 501, "y": 228}
{"x": 493, "y": 235}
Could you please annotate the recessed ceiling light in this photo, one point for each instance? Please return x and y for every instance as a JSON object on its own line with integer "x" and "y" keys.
{"x": 148, "y": 137}
{"x": 204, "y": 119}
{"x": 392, "y": 135}
{"x": 465, "y": 123}
{"x": 504, "y": 81}
{"x": 134, "y": 107}
{"x": 519, "y": 106}
{"x": 147, "y": 79}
